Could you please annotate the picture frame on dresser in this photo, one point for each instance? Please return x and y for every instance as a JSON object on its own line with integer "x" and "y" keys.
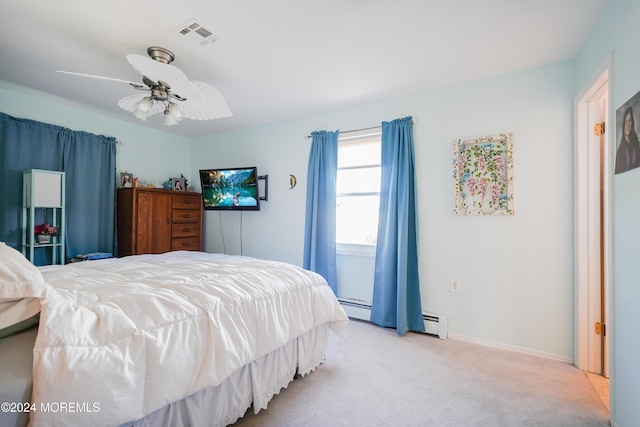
{"x": 177, "y": 184}
{"x": 126, "y": 180}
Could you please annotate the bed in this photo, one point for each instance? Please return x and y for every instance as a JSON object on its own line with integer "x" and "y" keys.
{"x": 176, "y": 339}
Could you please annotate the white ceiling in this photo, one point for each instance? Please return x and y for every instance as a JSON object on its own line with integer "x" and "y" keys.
{"x": 282, "y": 58}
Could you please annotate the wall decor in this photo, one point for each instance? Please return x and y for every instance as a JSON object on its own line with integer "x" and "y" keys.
{"x": 628, "y": 144}
{"x": 483, "y": 175}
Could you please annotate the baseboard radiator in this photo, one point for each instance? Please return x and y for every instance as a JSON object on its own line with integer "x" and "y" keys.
{"x": 434, "y": 324}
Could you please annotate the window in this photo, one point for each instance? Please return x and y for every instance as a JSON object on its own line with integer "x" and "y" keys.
{"x": 358, "y": 190}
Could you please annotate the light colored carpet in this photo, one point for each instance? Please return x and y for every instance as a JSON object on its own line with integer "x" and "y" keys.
{"x": 373, "y": 377}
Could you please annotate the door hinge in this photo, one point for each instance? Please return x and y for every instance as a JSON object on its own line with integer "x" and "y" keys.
{"x": 600, "y": 329}
{"x": 598, "y": 129}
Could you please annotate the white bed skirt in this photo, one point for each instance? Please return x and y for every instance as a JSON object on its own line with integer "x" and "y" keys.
{"x": 255, "y": 383}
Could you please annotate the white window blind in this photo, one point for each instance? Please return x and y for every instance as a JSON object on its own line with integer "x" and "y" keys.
{"x": 358, "y": 189}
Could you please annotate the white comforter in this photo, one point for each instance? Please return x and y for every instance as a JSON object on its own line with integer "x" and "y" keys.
{"x": 120, "y": 338}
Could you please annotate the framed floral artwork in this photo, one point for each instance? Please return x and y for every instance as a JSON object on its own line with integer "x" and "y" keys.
{"x": 483, "y": 175}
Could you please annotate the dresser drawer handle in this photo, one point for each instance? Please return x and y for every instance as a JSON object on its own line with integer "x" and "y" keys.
{"x": 185, "y": 229}
{"x": 186, "y": 216}
{"x": 186, "y": 245}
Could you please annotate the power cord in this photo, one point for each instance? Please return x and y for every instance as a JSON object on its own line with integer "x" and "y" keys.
{"x": 240, "y": 232}
{"x": 224, "y": 246}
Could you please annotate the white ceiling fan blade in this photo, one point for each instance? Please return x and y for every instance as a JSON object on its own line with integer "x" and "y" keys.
{"x": 213, "y": 106}
{"x": 167, "y": 73}
{"x": 93, "y": 76}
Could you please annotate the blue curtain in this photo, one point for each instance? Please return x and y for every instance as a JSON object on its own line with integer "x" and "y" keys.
{"x": 90, "y": 165}
{"x": 396, "y": 288}
{"x": 320, "y": 224}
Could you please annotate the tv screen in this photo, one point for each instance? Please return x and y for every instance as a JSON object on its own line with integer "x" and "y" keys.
{"x": 230, "y": 189}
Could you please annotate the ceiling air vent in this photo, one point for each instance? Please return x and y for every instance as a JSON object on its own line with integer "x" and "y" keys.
{"x": 196, "y": 32}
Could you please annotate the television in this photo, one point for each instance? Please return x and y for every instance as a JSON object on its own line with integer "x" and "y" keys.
{"x": 230, "y": 189}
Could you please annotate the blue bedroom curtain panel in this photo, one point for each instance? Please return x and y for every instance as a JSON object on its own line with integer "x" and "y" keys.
{"x": 396, "y": 288}
{"x": 89, "y": 162}
{"x": 320, "y": 223}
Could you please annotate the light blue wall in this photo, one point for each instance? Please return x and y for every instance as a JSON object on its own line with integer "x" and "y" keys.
{"x": 617, "y": 32}
{"x": 274, "y": 232}
{"x": 516, "y": 272}
{"x": 149, "y": 154}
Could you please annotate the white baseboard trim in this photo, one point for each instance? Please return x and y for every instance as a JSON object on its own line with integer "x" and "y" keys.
{"x": 514, "y": 348}
{"x": 357, "y": 312}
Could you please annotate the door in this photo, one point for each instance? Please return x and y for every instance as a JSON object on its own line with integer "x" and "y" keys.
{"x": 593, "y": 229}
{"x": 598, "y": 289}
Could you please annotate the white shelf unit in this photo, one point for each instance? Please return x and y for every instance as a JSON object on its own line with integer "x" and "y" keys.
{"x": 43, "y": 191}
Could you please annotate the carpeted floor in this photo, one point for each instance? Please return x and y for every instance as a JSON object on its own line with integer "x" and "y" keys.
{"x": 373, "y": 377}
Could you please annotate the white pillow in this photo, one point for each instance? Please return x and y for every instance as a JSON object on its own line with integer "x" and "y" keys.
{"x": 21, "y": 287}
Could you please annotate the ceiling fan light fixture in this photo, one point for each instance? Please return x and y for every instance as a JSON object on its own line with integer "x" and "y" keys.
{"x": 169, "y": 120}
{"x": 143, "y": 108}
{"x": 145, "y": 104}
{"x": 172, "y": 114}
{"x": 141, "y": 115}
{"x": 174, "y": 110}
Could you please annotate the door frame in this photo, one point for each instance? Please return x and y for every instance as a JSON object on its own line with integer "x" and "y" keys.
{"x": 587, "y": 102}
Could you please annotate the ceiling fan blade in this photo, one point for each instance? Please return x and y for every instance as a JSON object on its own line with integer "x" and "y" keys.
{"x": 213, "y": 106}
{"x": 93, "y": 76}
{"x": 158, "y": 71}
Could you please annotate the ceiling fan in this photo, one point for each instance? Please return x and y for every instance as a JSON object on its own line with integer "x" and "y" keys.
{"x": 169, "y": 91}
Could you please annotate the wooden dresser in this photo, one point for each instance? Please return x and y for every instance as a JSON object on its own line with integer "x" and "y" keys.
{"x": 153, "y": 221}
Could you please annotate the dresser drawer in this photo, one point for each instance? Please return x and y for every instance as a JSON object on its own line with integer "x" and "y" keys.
{"x": 186, "y": 229}
{"x": 185, "y": 244}
{"x": 185, "y": 215}
{"x": 187, "y": 201}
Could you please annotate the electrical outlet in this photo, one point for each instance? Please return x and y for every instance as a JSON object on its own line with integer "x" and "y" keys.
{"x": 455, "y": 285}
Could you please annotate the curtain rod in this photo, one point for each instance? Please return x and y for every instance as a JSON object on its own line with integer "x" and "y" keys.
{"x": 359, "y": 130}
{"x": 353, "y": 130}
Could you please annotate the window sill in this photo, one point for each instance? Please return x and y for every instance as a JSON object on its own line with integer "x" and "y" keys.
{"x": 356, "y": 250}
